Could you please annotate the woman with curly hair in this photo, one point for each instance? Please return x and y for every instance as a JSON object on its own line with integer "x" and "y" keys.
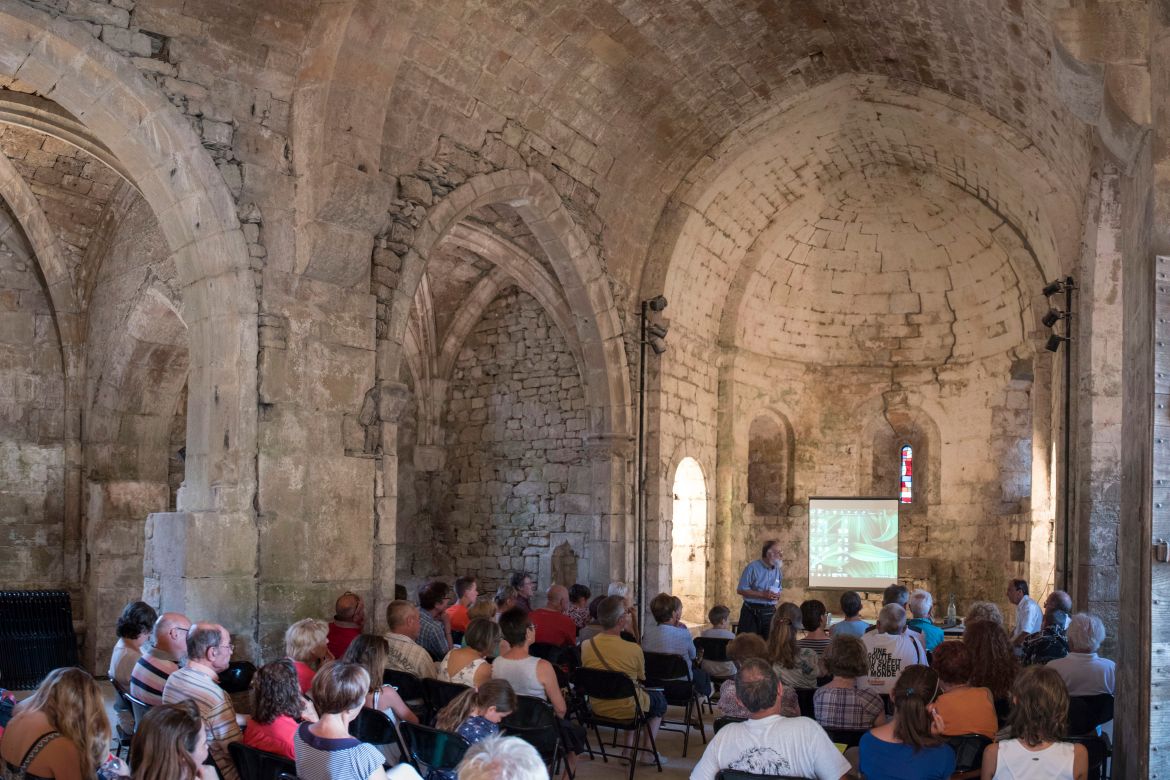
{"x": 993, "y": 664}
{"x": 61, "y": 731}
{"x": 797, "y": 667}
{"x": 170, "y": 745}
{"x": 277, "y": 705}
{"x": 1039, "y": 721}
{"x": 369, "y": 651}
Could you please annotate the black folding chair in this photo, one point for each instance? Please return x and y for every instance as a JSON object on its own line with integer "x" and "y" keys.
{"x": 847, "y": 737}
{"x": 457, "y": 637}
{"x": 237, "y": 678}
{"x": 376, "y": 728}
{"x": 713, "y": 648}
{"x": 139, "y": 708}
{"x": 601, "y": 685}
{"x": 438, "y": 694}
{"x": 968, "y": 752}
{"x": 535, "y": 722}
{"x": 806, "y": 697}
{"x": 1003, "y": 711}
{"x": 1086, "y": 713}
{"x": 436, "y": 751}
{"x": 724, "y": 720}
{"x": 410, "y": 688}
{"x": 253, "y": 764}
{"x": 671, "y": 673}
{"x": 1100, "y": 754}
{"x": 123, "y": 739}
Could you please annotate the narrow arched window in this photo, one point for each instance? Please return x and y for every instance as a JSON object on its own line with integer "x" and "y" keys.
{"x": 906, "y": 492}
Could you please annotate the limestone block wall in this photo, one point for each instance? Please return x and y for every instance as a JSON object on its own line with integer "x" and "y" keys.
{"x": 520, "y": 479}
{"x": 32, "y": 417}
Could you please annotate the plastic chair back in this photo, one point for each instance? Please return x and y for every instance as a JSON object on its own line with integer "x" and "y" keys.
{"x": 439, "y": 694}
{"x": 139, "y": 708}
{"x": 253, "y": 764}
{"x": 666, "y": 666}
{"x": 602, "y": 684}
{"x": 410, "y": 688}
{"x": 547, "y": 651}
{"x": 237, "y": 678}
{"x": 968, "y": 751}
{"x": 806, "y": 696}
{"x": 1086, "y": 713}
{"x": 847, "y": 737}
{"x": 434, "y": 749}
{"x": 723, "y": 721}
{"x": 713, "y": 648}
{"x": 535, "y": 722}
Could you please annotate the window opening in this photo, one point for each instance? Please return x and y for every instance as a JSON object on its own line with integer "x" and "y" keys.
{"x": 906, "y": 493}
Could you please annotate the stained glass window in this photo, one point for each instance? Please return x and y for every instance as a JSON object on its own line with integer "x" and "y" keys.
{"x": 906, "y": 494}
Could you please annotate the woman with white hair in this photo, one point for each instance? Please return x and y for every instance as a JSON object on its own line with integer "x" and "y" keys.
{"x": 1083, "y": 671}
{"x": 502, "y": 758}
{"x": 619, "y": 588}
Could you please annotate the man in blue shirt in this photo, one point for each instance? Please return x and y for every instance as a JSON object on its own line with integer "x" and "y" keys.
{"x": 760, "y": 587}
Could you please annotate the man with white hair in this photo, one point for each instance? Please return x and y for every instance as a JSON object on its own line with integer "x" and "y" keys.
{"x": 1083, "y": 672}
{"x": 890, "y": 649}
{"x": 501, "y": 758}
{"x": 920, "y": 605}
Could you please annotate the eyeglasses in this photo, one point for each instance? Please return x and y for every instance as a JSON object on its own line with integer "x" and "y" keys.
{"x": 179, "y": 628}
{"x": 531, "y": 627}
{"x": 229, "y": 646}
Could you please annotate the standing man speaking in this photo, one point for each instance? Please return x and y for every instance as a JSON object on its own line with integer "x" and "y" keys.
{"x": 760, "y": 587}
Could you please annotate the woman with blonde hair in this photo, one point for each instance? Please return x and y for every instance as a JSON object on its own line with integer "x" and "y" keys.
{"x": 1039, "y": 721}
{"x": 307, "y": 643}
{"x": 797, "y": 667}
{"x": 468, "y": 665}
{"x": 369, "y": 651}
{"x": 170, "y": 745}
{"x": 60, "y": 732}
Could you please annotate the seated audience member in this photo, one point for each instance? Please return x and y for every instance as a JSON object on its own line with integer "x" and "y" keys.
{"x": 307, "y": 643}
{"x": 842, "y": 703}
{"x": 797, "y": 667}
{"x": 921, "y": 604}
{"x": 349, "y": 617}
{"x": 768, "y": 743}
{"x": 553, "y": 626}
{"x": 502, "y": 758}
{"x": 908, "y": 746}
{"x": 527, "y": 674}
{"x": 466, "y": 592}
{"x": 168, "y": 648}
{"x": 277, "y": 704}
{"x": 405, "y": 654}
{"x": 434, "y": 632}
{"x": 169, "y": 745}
{"x": 890, "y": 649}
{"x": 468, "y": 665}
{"x": 1058, "y": 599}
{"x": 525, "y": 586}
{"x": 1048, "y": 645}
{"x": 506, "y": 598}
{"x": 814, "y": 617}
{"x": 741, "y": 648}
{"x": 133, "y": 630}
{"x": 475, "y": 715}
{"x": 993, "y": 664}
{"x": 578, "y": 609}
{"x": 61, "y": 731}
{"x": 667, "y": 637}
{"x": 852, "y": 625}
{"x": 484, "y": 607}
{"x": 983, "y": 610}
{"x": 369, "y": 652}
{"x": 622, "y": 590}
{"x": 1028, "y": 615}
{"x": 895, "y": 594}
{"x": 1039, "y": 722}
{"x": 593, "y": 627}
{"x": 1083, "y": 672}
{"x": 608, "y": 651}
{"x": 209, "y": 652}
{"x": 325, "y": 750}
{"x": 963, "y": 709}
{"x": 720, "y": 619}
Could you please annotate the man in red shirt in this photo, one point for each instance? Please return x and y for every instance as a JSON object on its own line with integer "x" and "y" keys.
{"x": 553, "y": 626}
{"x": 347, "y": 623}
{"x": 466, "y": 592}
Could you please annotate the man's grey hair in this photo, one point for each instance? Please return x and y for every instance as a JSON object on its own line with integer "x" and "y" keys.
{"x": 892, "y": 619}
{"x": 1086, "y": 632}
{"x": 920, "y": 603}
{"x": 610, "y": 611}
{"x": 201, "y": 638}
{"x": 618, "y": 588}
{"x": 502, "y": 758}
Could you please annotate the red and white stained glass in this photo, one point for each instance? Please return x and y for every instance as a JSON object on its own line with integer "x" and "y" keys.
{"x": 906, "y": 495}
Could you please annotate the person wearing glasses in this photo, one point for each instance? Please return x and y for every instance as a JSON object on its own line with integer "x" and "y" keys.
{"x": 209, "y": 652}
{"x": 168, "y": 647}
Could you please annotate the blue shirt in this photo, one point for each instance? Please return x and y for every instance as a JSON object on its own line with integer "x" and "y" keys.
{"x": 849, "y": 628}
{"x": 476, "y": 729}
{"x": 932, "y": 634}
{"x": 896, "y": 761}
{"x": 758, "y": 576}
{"x": 675, "y": 640}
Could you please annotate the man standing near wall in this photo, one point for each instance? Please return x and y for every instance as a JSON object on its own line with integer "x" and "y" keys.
{"x": 1028, "y": 614}
{"x": 760, "y": 587}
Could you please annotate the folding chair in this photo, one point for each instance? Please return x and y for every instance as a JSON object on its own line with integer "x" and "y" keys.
{"x": 376, "y": 728}
{"x": 847, "y": 737}
{"x": 237, "y": 678}
{"x": 723, "y": 721}
{"x": 410, "y": 688}
{"x": 139, "y": 708}
{"x": 671, "y": 673}
{"x": 968, "y": 753}
{"x": 1085, "y": 715}
{"x": 806, "y": 697}
{"x": 123, "y": 739}
{"x": 601, "y": 685}
{"x": 535, "y": 722}
{"x": 253, "y": 764}
{"x": 713, "y": 648}
{"x": 438, "y": 694}
{"x": 437, "y": 751}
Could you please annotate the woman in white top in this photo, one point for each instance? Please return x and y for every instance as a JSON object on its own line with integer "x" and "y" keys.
{"x": 1039, "y": 719}
{"x": 467, "y": 665}
{"x": 529, "y": 676}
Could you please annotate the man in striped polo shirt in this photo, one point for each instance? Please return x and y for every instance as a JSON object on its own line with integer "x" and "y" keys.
{"x": 168, "y": 647}
{"x": 209, "y": 652}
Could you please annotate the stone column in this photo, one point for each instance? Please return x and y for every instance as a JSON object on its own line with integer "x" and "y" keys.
{"x": 392, "y": 398}
{"x": 612, "y": 546}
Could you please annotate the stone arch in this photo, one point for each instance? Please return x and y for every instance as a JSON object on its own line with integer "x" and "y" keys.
{"x": 891, "y": 422}
{"x": 770, "y": 474}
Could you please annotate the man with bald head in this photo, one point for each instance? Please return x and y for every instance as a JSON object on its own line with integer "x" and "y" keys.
{"x": 889, "y": 650}
{"x": 168, "y": 647}
{"x": 553, "y": 626}
{"x": 209, "y": 652}
{"x": 349, "y": 617}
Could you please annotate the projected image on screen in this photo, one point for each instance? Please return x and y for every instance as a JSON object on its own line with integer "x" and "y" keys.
{"x": 852, "y": 542}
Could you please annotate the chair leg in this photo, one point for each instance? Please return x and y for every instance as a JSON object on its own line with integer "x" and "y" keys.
{"x": 600, "y": 743}
{"x": 634, "y": 751}
{"x": 702, "y": 725}
{"x": 687, "y": 724}
{"x": 653, "y": 746}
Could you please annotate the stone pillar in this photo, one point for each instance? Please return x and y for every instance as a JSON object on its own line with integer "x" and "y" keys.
{"x": 392, "y": 399}
{"x": 612, "y": 546}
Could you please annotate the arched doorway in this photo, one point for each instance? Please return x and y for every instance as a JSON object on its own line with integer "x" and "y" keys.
{"x": 688, "y": 557}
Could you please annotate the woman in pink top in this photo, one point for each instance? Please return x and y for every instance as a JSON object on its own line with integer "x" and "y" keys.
{"x": 276, "y": 705}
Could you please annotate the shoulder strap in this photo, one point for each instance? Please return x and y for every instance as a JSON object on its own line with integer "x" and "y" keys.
{"x": 36, "y": 748}
{"x": 597, "y": 652}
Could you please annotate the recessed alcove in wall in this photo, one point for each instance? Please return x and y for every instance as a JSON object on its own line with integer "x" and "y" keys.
{"x": 689, "y": 540}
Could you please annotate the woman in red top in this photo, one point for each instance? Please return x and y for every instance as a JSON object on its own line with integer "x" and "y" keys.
{"x": 307, "y": 643}
{"x": 276, "y": 705}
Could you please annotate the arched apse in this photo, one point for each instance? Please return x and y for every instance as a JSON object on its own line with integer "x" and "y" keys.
{"x": 688, "y": 559}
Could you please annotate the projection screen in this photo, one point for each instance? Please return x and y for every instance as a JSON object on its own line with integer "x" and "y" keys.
{"x": 852, "y": 543}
